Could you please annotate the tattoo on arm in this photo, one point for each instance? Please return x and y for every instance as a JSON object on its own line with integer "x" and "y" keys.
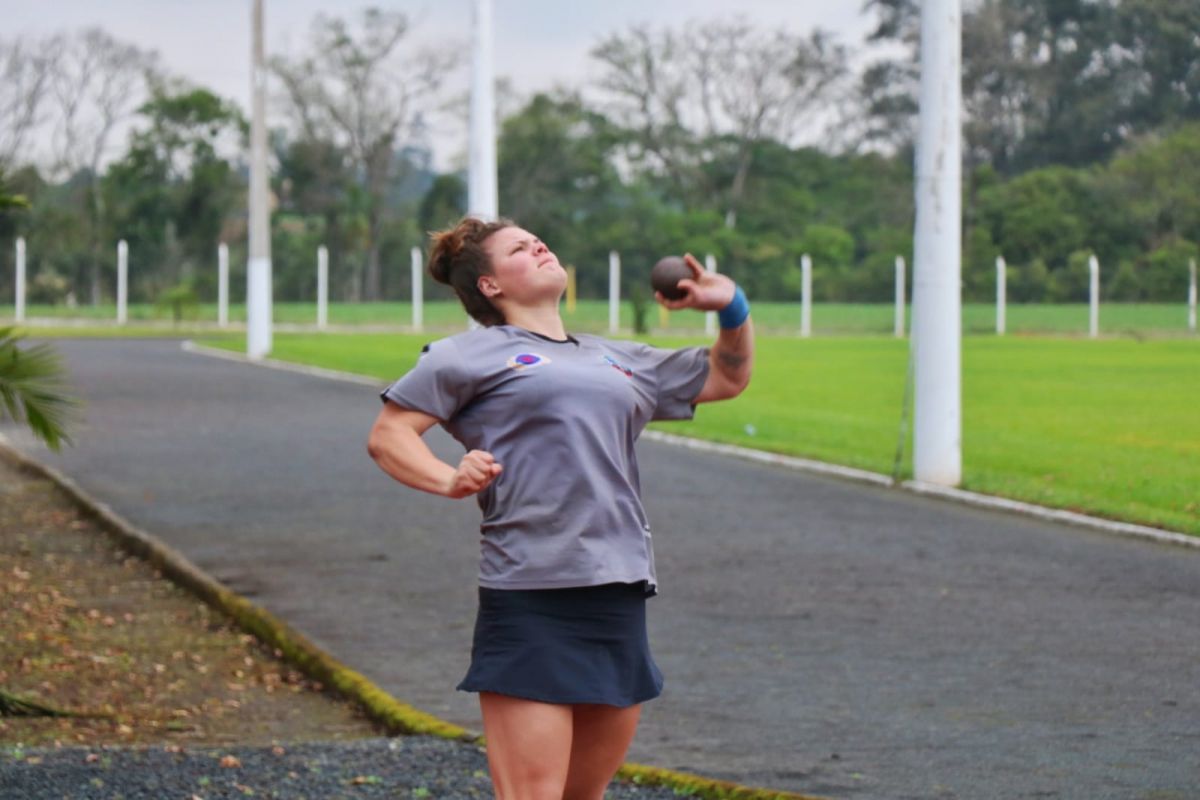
{"x": 732, "y": 361}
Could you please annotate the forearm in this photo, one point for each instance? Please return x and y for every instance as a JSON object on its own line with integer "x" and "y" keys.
{"x": 402, "y": 453}
{"x": 732, "y": 356}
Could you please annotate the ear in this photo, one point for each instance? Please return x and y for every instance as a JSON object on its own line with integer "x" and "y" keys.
{"x": 487, "y": 284}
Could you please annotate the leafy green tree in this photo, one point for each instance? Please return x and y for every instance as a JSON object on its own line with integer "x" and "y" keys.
{"x": 173, "y": 192}
{"x": 444, "y": 203}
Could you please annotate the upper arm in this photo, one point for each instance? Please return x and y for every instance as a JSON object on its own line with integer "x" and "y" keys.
{"x": 716, "y": 387}
{"x": 394, "y": 418}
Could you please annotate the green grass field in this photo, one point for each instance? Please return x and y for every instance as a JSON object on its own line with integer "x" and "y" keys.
{"x": 1157, "y": 319}
{"x": 1109, "y": 427}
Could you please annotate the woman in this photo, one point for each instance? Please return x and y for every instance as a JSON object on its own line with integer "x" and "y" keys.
{"x": 560, "y": 658}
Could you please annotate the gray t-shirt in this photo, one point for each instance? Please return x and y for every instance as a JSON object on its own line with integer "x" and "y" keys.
{"x": 561, "y": 418}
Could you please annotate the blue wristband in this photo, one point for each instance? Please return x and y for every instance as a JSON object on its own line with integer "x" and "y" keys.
{"x": 734, "y": 314}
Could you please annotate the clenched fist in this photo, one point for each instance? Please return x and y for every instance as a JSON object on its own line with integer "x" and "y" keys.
{"x": 475, "y": 472}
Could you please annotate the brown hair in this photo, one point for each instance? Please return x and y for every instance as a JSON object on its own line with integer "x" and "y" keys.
{"x": 458, "y": 259}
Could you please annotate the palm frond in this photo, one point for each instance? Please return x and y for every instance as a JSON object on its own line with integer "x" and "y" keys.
{"x": 33, "y": 389}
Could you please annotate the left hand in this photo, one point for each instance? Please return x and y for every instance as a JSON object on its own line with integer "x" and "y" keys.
{"x": 706, "y": 291}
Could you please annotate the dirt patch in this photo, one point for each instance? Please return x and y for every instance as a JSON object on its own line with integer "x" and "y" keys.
{"x": 86, "y": 627}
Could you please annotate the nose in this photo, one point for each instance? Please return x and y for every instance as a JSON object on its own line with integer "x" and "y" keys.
{"x": 540, "y": 247}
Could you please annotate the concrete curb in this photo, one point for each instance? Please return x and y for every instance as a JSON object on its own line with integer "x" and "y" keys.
{"x": 976, "y": 499}
{"x": 298, "y": 651}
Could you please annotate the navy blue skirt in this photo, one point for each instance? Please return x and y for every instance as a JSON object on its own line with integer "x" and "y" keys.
{"x": 564, "y": 646}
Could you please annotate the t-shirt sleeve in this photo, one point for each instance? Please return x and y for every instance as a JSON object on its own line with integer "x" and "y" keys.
{"x": 679, "y": 375}
{"x": 439, "y": 384}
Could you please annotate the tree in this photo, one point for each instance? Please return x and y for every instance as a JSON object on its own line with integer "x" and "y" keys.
{"x": 170, "y": 195}
{"x": 24, "y": 73}
{"x": 1048, "y": 81}
{"x": 712, "y": 92}
{"x": 355, "y": 91}
{"x": 96, "y": 83}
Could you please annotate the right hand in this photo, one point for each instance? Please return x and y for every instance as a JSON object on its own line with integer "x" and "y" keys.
{"x": 475, "y": 473}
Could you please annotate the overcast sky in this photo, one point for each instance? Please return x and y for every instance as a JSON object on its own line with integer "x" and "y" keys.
{"x": 538, "y": 43}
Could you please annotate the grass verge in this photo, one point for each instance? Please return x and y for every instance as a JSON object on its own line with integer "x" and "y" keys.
{"x": 1104, "y": 427}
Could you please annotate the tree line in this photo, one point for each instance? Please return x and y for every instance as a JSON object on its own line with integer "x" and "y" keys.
{"x": 1082, "y": 134}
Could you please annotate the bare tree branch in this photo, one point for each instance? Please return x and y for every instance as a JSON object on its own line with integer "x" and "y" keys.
{"x": 24, "y": 73}
{"x": 716, "y": 89}
{"x": 357, "y": 89}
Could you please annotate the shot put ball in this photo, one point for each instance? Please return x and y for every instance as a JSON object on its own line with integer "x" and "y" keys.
{"x": 667, "y": 274}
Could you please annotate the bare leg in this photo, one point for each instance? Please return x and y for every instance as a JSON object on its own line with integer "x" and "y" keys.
{"x": 528, "y": 746}
{"x": 602, "y": 735}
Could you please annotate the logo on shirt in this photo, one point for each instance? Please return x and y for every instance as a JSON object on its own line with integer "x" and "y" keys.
{"x": 612, "y": 362}
{"x": 523, "y": 361}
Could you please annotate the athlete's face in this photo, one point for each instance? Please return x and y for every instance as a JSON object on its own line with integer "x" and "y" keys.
{"x": 524, "y": 270}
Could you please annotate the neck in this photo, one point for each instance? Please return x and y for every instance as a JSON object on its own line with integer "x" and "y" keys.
{"x": 539, "y": 319}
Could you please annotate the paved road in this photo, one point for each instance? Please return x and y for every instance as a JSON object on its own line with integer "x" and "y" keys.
{"x": 816, "y": 635}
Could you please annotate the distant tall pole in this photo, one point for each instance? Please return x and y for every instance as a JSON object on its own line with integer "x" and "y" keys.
{"x": 482, "y": 200}
{"x": 418, "y": 291}
{"x": 710, "y": 317}
{"x": 1001, "y": 295}
{"x": 322, "y": 287}
{"x": 222, "y": 285}
{"x": 258, "y": 272}
{"x": 122, "y": 282}
{"x": 614, "y": 291}
{"x": 20, "y": 281}
{"x": 937, "y": 300}
{"x": 1192, "y": 295}
{"x": 806, "y": 295}
{"x": 1093, "y": 296}
{"x": 900, "y": 298}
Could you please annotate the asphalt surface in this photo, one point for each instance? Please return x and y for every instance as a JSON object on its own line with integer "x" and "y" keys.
{"x": 816, "y": 635}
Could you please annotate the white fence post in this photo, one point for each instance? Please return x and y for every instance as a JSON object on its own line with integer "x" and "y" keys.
{"x": 418, "y": 290}
{"x": 614, "y": 291}
{"x": 20, "y": 281}
{"x": 1093, "y": 297}
{"x": 1001, "y": 295}
{"x": 322, "y": 287}
{"x": 900, "y": 297}
{"x": 222, "y": 285}
{"x": 710, "y": 317}
{"x": 122, "y": 282}
{"x": 805, "y": 295}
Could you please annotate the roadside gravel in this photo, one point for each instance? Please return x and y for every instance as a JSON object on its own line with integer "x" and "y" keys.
{"x": 406, "y": 767}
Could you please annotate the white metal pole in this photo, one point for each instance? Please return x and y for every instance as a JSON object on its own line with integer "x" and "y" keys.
{"x": 901, "y": 300}
{"x": 710, "y": 317}
{"x": 222, "y": 285}
{"x": 1001, "y": 295}
{"x": 258, "y": 272}
{"x": 322, "y": 287}
{"x": 1192, "y": 295}
{"x": 418, "y": 291}
{"x": 1093, "y": 296}
{"x": 806, "y": 295}
{"x": 614, "y": 291}
{"x": 937, "y": 298}
{"x": 20, "y": 280}
{"x": 122, "y": 282}
{"x": 482, "y": 199}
